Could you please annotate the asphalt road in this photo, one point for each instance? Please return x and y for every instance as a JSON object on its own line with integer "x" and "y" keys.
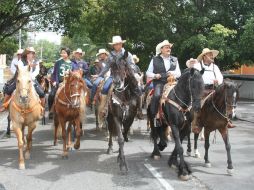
{"x": 91, "y": 168}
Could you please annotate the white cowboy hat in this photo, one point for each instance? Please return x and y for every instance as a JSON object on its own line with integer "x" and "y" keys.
{"x": 191, "y": 62}
{"x": 20, "y": 51}
{"x": 135, "y": 58}
{"x": 101, "y": 51}
{"x": 79, "y": 50}
{"x": 160, "y": 45}
{"x": 117, "y": 40}
{"x": 207, "y": 50}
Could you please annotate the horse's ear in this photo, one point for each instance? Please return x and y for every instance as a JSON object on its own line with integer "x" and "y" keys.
{"x": 125, "y": 55}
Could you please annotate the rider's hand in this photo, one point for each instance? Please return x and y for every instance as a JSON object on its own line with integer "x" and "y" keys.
{"x": 157, "y": 76}
{"x": 94, "y": 76}
{"x": 54, "y": 83}
{"x": 215, "y": 82}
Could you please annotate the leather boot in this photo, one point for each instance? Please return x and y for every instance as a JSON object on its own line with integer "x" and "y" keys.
{"x": 195, "y": 124}
{"x": 139, "y": 109}
{"x": 6, "y": 102}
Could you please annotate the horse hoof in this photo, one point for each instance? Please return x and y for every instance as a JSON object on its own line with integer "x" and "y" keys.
{"x": 27, "y": 156}
{"x": 156, "y": 157}
{"x": 184, "y": 177}
{"x": 110, "y": 151}
{"x": 76, "y": 146}
{"x": 230, "y": 172}
{"x": 188, "y": 153}
{"x": 65, "y": 156}
{"x": 22, "y": 166}
{"x": 208, "y": 165}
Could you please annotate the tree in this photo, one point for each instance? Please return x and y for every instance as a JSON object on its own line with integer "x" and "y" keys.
{"x": 48, "y": 50}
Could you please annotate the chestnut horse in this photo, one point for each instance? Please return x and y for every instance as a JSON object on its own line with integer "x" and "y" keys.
{"x": 25, "y": 110}
{"x": 215, "y": 114}
{"x": 69, "y": 106}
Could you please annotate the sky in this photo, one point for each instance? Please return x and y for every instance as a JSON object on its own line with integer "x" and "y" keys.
{"x": 50, "y": 36}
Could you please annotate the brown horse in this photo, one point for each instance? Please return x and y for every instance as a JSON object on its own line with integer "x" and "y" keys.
{"x": 69, "y": 106}
{"x": 25, "y": 110}
{"x": 214, "y": 116}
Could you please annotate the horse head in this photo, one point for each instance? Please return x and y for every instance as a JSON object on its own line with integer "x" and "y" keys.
{"x": 24, "y": 83}
{"x": 119, "y": 72}
{"x": 74, "y": 86}
{"x": 231, "y": 96}
{"x": 190, "y": 88}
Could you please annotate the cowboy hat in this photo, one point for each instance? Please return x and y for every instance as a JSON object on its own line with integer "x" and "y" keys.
{"x": 29, "y": 49}
{"x": 20, "y": 51}
{"x": 191, "y": 62}
{"x": 160, "y": 45}
{"x": 135, "y": 58}
{"x": 117, "y": 40}
{"x": 101, "y": 51}
{"x": 79, "y": 50}
{"x": 207, "y": 50}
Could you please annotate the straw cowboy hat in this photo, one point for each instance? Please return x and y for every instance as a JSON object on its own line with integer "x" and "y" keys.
{"x": 20, "y": 51}
{"x": 79, "y": 50}
{"x": 135, "y": 58}
{"x": 207, "y": 50}
{"x": 160, "y": 45}
{"x": 101, "y": 51}
{"x": 28, "y": 50}
{"x": 117, "y": 40}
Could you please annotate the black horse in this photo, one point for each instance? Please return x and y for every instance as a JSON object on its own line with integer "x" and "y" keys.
{"x": 122, "y": 106}
{"x": 215, "y": 115}
{"x": 176, "y": 114}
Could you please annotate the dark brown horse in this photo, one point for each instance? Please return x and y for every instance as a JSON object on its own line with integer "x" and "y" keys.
{"x": 123, "y": 104}
{"x": 69, "y": 106}
{"x": 176, "y": 114}
{"x": 215, "y": 116}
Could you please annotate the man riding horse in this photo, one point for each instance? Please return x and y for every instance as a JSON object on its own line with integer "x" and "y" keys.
{"x": 117, "y": 53}
{"x": 211, "y": 75}
{"x": 160, "y": 67}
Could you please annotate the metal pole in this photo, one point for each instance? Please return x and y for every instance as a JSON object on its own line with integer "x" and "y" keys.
{"x": 20, "y": 38}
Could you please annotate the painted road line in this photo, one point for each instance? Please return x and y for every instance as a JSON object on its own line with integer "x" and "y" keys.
{"x": 158, "y": 176}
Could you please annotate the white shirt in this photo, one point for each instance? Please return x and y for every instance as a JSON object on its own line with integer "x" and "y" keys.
{"x": 14, "y": 64}
{"x": 212, "y": 72}
{"x": 33, "y": 72}
{"x": 176, "y": 73}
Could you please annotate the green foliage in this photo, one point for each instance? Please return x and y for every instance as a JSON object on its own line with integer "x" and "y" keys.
{"x": 48, "y": 65}
{"x": 48, "y": 50}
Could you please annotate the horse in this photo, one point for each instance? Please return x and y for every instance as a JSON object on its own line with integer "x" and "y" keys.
{"x": 175, "y": 112}
{"x": 122, "y": 108}
{"x": 69, "y": 106}
{"x": 215, "y": 113}
{"x": 25, "y": 109}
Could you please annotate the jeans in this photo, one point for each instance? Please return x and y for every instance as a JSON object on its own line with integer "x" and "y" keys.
{"x": 94, "y": 87}
{"x": 88, "y": 83}
{"x": 107, "y": 85}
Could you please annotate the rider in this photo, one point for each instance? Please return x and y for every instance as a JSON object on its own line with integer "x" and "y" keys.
{"x": 28, "y": 58}
{"x": 212, "y": 75}
{"x": 118, "y": 52}
{"x": 103, "y": 56}
{"x": 15, "y": 61}
{"x": 78, "y": 63}
{"x": 160, "y": 67}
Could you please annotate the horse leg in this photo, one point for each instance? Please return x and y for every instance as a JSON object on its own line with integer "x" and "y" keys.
{"x": 96, "y": 116}
{"x": 156, "y": 153}
{"x": 207, "y": 145}
{"x": 196, "y": 152}
{"x": 65, "y": 152}
{"x": 189, "y": 145}
{"x": 121, "y": 156}
{"x": 225, "y": 136}
{"x": 183, "y": 170}
{"x": 29, "y": 140}
{"x": 77, "y": 129}
{"x": 19, "y": 135}
{"x": 56, "y": 124}
{"x": 126, "y": 125}
{"x": 172, "y": 161}
{"x": 8, "y": 132}
{"x": 69, "y": 135}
